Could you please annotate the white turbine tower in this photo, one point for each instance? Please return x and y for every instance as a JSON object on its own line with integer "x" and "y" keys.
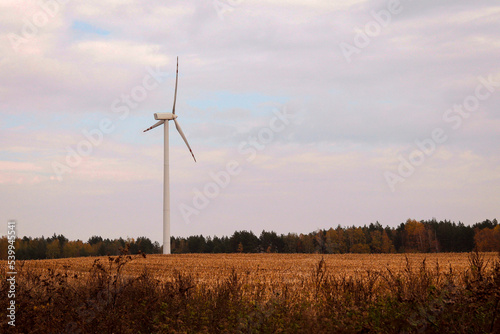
{"x": 163, "y": 118}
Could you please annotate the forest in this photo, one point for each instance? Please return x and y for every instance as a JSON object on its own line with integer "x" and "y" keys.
{"x": 409, "y": 237}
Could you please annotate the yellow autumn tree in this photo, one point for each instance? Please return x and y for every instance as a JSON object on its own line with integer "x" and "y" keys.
{"x": 387, "y": 245}
{"x": 416, "y": 236}
{"x": 487, "y": 239}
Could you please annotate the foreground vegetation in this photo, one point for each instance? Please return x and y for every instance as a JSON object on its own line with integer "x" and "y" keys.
{"x": 414, "y": 296}
{"x": 409, "y": 237}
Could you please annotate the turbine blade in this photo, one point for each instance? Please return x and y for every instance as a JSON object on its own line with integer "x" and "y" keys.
{"x": 176, "y": 77}
{"x": 178, "y": 127}
{"x": 154, "y": 126}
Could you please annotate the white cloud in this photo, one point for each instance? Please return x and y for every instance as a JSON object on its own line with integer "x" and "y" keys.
{"x": 123, "y": 52}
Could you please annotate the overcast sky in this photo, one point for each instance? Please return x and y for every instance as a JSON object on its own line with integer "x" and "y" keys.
{"x": 302, "y": 114}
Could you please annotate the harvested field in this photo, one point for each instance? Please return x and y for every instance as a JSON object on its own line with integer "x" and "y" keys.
{"x": 259, "y": 293}
{"x": 268, "y": 267}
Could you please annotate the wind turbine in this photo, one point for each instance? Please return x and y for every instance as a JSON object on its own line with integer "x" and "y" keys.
{"x": 163, "y": 118}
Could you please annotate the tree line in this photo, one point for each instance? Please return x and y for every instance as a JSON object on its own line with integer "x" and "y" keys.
{"x": 409, "y": 237}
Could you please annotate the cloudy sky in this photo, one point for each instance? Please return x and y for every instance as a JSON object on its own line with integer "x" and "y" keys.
{"x": 301, "y": 114}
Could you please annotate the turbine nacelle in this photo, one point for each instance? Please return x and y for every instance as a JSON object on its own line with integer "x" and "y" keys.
{"x": 165, "y": 116}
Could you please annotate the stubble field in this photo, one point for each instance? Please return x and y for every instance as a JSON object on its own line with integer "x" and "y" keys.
{"x": 275, "y": 268}
{"x": 259, "y": 293}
